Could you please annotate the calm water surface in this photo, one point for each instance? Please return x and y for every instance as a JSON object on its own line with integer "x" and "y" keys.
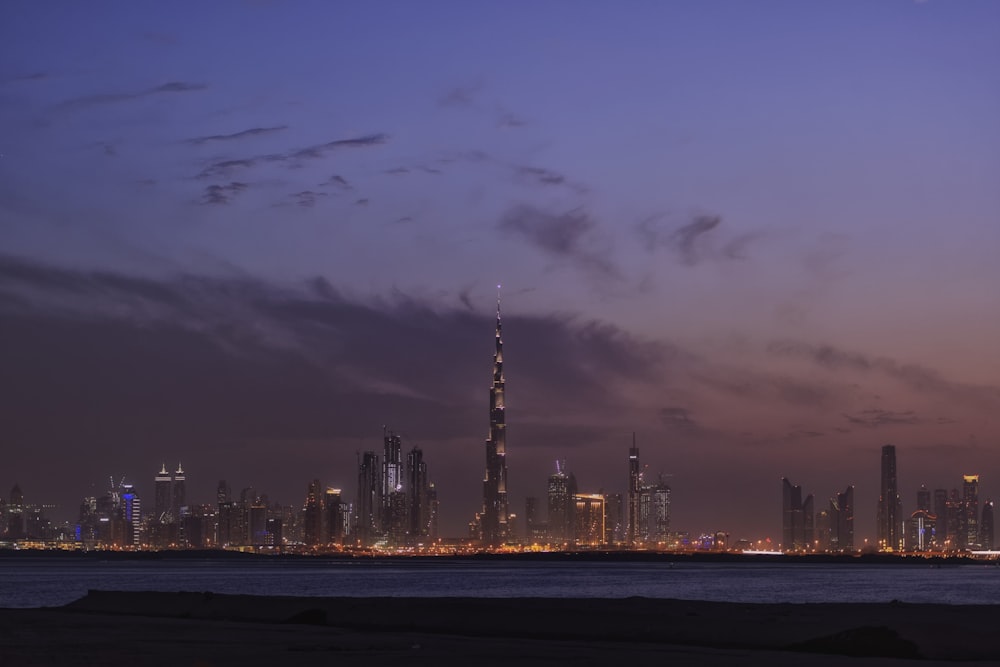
{"x": 38, "y": 582}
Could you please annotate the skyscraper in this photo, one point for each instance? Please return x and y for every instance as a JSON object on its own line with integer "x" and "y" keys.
{"x": 970, "y": 511}
{"x": 162, "y": 498}
{"x": 659, "y": 528}
{"x": 417, "y": 505}
{"x": 495, "y": 529}
{"x": 178, "y": 496}
{"x": 986, "y": 540}
{"x": 562, "y": 488}
{"x": 394, "y": 519}
{"x": 634, "y": 492}
{"x": 796, "y": 518}
{"x": 889, "y": 504}
{"x": 842, "y": 521}
{"x": 369, "y": 519}
{"x": 312, "y": 521}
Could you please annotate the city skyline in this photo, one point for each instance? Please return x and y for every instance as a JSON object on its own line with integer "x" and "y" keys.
{"x": 245, "y": 236}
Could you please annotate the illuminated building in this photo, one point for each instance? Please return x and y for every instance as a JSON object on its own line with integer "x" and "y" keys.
{"x": 940, "y": 507}
{"x": 131, "y": 513}
{"x": 588, "y": 519}
{"x": 433, "y": 511}
{"x": 178, "y": 495}
{"x": 614, "y": 526}
{"x": 634, "y": 491}
{"x": 15, "y": 515}
{"x": 394, "y": 517}
{"x": 796, "y": 518}
{"x": 969, "y": 516}
{"x": 986, "y": 526}
{"x": 417, "y": 505}
{"x": 562, "y": 488}
{"x": 841, "y": 521}
{"x": 312, "y": 520}
{"x": 493, "y": 521}
{"x": 953, "y": 516}
{"x": 333, "y": 516}
{"x": 890, "y": 507}
{"x": 921, "y": 526}
{"x": 369, "y": 508}
{"x": 162, "y": 495}
{"x": 659, "y": 528}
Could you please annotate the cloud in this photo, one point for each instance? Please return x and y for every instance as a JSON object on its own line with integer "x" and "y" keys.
{"x": 21, "y": 78}
{"x": 87, "y": 101}
{"x": 546, "y": 177}
{"x": 568, "y": 235}
{"x": 917, "y": 378}
{"x": 875, "y": 417}
{"x": 252, "y": 132}
{"x": 677, "y": 418}
{"x": 361, "y": 202}
{"x": 222, "y": 194}
{"x": 337, "y": 181}
{"x": 696, "y": 241}
{"x": 307, "y": 198}
{"x": 510, "y": 120}
{"x": 225, "y": 168}
{"x": 397, "y": 170}
{"x": 460, "y": 96}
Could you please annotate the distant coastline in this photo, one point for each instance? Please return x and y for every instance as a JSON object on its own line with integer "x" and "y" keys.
{"x": 525, "y": 557}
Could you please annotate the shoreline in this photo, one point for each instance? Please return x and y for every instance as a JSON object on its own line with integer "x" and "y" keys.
{"x": 916, "y": 560}
{"x": 176, "y": 628}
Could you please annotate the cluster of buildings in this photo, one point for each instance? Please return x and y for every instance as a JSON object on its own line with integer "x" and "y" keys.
{"x": 945, "y": 520}
{"x": 396, "y": 508}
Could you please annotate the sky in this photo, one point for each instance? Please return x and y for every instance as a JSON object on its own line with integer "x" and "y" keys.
{"x": 245, "y": 236}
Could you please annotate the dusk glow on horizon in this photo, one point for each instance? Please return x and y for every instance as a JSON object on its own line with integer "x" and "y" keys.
{"x": 762, "y": 236}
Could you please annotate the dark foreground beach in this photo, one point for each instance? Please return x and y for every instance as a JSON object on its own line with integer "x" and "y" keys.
{"x": 204, "y": 629}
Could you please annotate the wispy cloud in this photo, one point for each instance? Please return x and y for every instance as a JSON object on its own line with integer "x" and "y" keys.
{"x": 225, "y": 168}
{"x": 568, "y": 235}
{"x": 222, "y": 194}
{"x": 696, "y": 241}
{"x": 87, "y": 101}
{"x": 307, "y": 198}
{"x": 876, "y": 417}
{"x": 917, "y": 378}
{"x": 337, "y": 181}
{"x": 245, "y": 134}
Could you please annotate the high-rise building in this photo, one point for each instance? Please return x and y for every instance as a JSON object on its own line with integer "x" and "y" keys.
{"x": 970, "y": 512}
{"x": 178, "y": 495}
{"x": 368, "y": 525}
{"x": 333, "y": 519}
{"x": 162, "y": 495}
{"x": 940, "y": 539}
{"x": 495, "y": 530}
{"x": 433, "y": 510}
{"x": 394, "y": 516}
{"x": 589, "y": 521}
{"x": 614, "y": 524}
{"x": 417, "y": 506}
{"x": 659, "y": 528}
{"x": 633, "y": 534}
{"x": 15, "y": 515}
{"x": 842, "y": 521}
{"x": 131, "y": 513}
{"x": 953, "y": 517}
{"x": 986, "y": 539}
{"x": 797, "y": 527}
{"x": 562, "y": 488}
{"x": 312, "y": 515}
{"x": 890, "y": 511}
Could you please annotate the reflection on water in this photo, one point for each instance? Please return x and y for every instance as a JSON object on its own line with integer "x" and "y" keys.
{"x": 36, "y": 582}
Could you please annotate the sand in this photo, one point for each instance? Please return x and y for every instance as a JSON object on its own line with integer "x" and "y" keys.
{"x": 204, "y": 629}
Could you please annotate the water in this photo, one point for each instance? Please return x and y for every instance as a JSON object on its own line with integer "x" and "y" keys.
{"x": 41, "y": 581}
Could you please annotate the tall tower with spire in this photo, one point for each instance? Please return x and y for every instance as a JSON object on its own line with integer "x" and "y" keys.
{"x": 495, "y": 526}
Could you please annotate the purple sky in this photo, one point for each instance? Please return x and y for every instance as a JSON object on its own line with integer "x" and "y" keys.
{"x": 245, "y": 235}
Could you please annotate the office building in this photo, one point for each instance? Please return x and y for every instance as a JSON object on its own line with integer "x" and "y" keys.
{"x": 368, "y": 524}
{"x": 890, "y": 510}
{"x": 633, "y": 535}
{"x": 969, "y": 514}
{"x": 986, "y": 526}
{"x": 797, "y": 527}
{"x": 561, "y": 489}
